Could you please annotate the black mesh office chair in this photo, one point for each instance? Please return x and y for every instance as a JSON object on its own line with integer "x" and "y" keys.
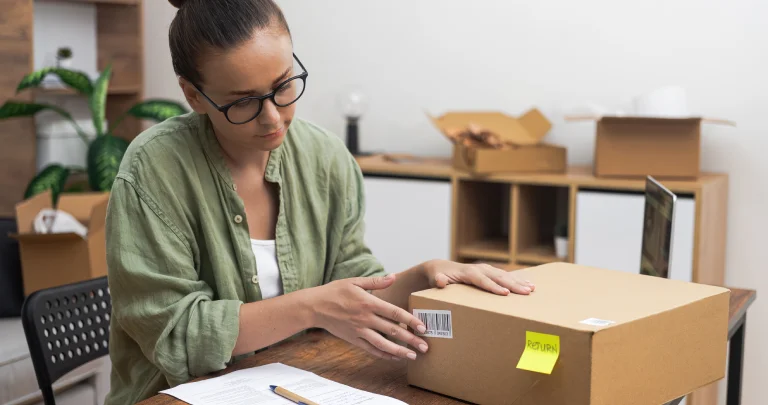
{"x": 66, "y": 327}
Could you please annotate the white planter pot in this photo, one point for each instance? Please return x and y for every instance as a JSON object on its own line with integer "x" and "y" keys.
{"x": 65, "y": 63}
{"x": 561, "y": 247}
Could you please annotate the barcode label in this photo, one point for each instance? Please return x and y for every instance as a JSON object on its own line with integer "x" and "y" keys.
{"x": 438, "y": 323}
{"x": 597, "y": 322}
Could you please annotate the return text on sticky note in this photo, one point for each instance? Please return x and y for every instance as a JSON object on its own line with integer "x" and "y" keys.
{"x": 541, "y": 352}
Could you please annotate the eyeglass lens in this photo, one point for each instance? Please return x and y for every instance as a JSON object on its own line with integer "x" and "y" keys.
{"x": 285, "y": 95}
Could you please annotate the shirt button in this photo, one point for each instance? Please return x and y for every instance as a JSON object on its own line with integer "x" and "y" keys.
{"x": 234, "y": 187}
{"x": 255, "y": 279}
{"x": 238, "y": 219}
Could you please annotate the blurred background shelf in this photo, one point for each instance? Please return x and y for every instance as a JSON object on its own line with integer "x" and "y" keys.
{"x": 488, "y": 249}
{"x": 114, "y": 90}
{"x": 541, "y": 254}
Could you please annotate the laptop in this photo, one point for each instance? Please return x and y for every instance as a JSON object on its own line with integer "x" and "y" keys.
{"x": 658, "y": 223}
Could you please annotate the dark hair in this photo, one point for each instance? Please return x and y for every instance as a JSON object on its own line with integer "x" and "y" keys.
{"x": 201, "y": 25}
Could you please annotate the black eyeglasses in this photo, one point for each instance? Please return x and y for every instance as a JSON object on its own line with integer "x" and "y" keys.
{"x": 247, "y": 108}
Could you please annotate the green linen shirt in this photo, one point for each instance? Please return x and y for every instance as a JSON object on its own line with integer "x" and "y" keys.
{"x": 179, "y": 256}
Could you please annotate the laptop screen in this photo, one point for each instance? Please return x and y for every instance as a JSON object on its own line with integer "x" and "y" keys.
{"x": 657, "y": 229}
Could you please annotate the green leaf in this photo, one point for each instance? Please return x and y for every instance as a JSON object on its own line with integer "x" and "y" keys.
{"x": 157, "y": 110}
{"x": 76, "y": 80}
{"x": 154, "y": 109}
{"x": 15, "y": 109}
{"x": 72, "y": 78}
{"x": 98, "y": 100}
{"x": 104, "y": 157}
{"x": 33, "y": 79}
{"x": 53, "y": 178}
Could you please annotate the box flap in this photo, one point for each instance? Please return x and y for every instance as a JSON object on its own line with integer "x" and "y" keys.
{"x": 40, "y": 238}
{"x": 644, "y": 119}
{"x": 98, "y": 216}
{"x": 525, "y": 131}
{"x": 81, "y": 205}
{"x": 536, "y": 123}
{"x": 568, "y": 294}
{"x": 27, "y": 210}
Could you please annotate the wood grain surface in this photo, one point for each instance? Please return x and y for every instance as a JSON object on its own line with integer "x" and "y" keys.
{"x": 335, "y": 359}
{"x": 17, "y": 135}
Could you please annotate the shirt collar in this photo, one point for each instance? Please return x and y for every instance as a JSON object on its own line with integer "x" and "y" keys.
{"x": 213, "y": 152}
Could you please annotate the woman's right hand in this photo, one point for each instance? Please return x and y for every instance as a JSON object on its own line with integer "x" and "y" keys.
{"x": 345, "y": 309}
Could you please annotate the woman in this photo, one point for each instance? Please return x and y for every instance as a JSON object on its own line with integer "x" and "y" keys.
{"x": 237, "y": 226}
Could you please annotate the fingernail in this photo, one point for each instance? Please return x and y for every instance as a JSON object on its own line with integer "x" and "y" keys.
{"x": 412, "y": 356}
{"x": 421, "y": 329}
{"x": 506, "y": 291}
{"x": 527, "y": 289}
{"x": 423, "y": 348}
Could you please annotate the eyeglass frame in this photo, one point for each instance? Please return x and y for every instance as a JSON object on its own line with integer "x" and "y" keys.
{"x": 225, "y": 108}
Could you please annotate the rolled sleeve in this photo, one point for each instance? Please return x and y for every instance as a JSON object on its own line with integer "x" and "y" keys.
{"x": 157, "y": 298}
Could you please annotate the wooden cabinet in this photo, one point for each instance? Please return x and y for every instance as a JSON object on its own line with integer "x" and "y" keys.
{"x": 407, "y": 221}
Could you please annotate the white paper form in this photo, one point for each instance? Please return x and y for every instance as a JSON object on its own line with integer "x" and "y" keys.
{"x": 251, "y": 387}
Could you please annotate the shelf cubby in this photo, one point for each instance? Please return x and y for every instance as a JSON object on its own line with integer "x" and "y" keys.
{"x": 538, "y": 211}
{"x": 483, "y": 229}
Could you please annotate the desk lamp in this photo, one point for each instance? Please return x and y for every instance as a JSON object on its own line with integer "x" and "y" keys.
{"x": 353, "y": 104}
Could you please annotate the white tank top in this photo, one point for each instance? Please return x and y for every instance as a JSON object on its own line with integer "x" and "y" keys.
{"x": 266, "y": 265}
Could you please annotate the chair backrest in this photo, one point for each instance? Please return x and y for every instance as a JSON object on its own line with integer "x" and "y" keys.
{"x": 66, "y": 327}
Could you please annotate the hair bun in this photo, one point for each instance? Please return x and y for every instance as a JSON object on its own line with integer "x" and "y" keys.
{"x": 177, "y": 3}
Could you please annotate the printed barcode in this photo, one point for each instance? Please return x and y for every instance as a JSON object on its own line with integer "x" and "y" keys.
{"x": 438, "y": 323}
{"x": 597, "y": 322}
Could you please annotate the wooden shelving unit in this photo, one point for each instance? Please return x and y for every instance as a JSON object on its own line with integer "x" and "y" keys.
{"x": 119, "y": 41}
{"x": 510, "y": 218}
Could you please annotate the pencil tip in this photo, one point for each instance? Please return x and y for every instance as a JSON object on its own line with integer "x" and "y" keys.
{"x": 272, "y": 387}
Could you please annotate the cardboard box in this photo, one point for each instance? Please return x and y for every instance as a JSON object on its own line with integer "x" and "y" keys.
{"x": 621, "y": 338}
{"x": 522, "y": 150}
{"x": 642, "y": 146}
{"x": 49, "y": 260}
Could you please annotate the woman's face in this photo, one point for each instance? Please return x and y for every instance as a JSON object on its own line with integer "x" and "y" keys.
{"x": 255, "y": 68}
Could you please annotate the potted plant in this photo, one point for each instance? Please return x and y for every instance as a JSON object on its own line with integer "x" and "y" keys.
{"x": 561, "y": 241}
{"x": 105, "y": 151}
{"x": 64, "y": 57}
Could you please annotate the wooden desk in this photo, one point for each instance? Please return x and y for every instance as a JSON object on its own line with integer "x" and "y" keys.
{"x": 335, "y": 359}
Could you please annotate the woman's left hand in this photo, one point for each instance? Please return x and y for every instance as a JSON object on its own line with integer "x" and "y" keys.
{"x": 443, "y": 272}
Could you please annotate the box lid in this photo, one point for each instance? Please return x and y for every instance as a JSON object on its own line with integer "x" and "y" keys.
{"x": 646, "y": 119}
{"x": 528, "y": 129}
{"x": 569, "y": 295}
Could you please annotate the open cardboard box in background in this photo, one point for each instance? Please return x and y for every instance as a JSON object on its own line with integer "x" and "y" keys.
{"x": 54, "y": 259}
{"x": 639, "y": 146}
{"x": 523, "y": 151}
{"x": 620, "y": 338}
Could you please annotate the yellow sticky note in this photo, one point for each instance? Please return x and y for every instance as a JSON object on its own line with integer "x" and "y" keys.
{"x": 541, "y": 352}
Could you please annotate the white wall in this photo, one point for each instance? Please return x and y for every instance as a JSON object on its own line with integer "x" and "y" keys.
{"x": 509, "y": 55}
